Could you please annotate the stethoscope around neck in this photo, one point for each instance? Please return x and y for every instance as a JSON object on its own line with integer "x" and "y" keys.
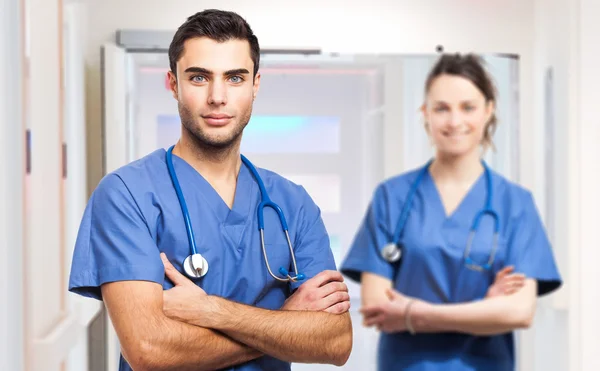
{"x": 195, "y": 265}
{"x": 392, "y": 251}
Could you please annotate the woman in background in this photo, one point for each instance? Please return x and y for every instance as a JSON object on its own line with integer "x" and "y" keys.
{"x": 452, "y": 256}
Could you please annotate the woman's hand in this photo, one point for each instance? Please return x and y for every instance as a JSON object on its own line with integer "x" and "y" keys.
{"x": 389, "y": 316}
{"x": 506, "y": 283}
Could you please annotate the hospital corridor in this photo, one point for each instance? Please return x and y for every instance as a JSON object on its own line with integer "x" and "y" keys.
{"x": 315, "y": 185}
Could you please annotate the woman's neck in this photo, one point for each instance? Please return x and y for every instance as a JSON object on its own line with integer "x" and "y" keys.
{"x": 457, "y": 169}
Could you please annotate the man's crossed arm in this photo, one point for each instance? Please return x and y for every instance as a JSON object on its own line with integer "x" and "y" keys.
{"x": 185, "y": 329}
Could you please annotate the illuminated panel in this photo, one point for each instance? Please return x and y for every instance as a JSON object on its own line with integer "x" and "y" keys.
{"x": 292, "y": 134}
{"x": 271, "y": 134}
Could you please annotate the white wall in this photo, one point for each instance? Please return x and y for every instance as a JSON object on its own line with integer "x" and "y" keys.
{"x": 567, "y": 38}
{"x": 52, "y": 325}
{"x": 587, "y": 295}
{"x": 11, "y": 194}
{"x": 552, "y": 43}
{"x": 44, "y": 304}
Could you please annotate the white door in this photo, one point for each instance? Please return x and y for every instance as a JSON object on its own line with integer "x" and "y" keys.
{"x": 55, "y": 321}
{"x": 115, "y": 126}
{"x": 75, "y": 170}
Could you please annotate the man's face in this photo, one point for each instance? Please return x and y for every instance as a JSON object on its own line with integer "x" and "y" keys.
{"x": 215, "y": 89}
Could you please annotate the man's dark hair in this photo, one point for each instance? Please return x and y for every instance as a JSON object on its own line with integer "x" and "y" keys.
{"x": 218, "y": 25}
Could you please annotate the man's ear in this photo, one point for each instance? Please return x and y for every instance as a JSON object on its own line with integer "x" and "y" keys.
{"x": 173, "y": 84}
{"x": 256, "y": 85}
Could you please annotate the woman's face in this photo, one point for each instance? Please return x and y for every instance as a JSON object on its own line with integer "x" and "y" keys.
{"x": 456, "y": 115}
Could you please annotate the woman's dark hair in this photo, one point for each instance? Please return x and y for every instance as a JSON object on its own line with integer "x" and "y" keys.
{"x": 218, "y": 25}
{"x": 470, "y": 67}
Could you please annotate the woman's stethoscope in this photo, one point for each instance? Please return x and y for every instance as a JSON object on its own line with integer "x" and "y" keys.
{"x": 195, "y": 265}
{"x": 393, "y": 251}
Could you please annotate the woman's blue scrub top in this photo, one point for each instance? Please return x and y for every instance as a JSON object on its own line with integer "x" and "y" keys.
{"x": 134, "y": 214}
{"x": 432, "y": 265}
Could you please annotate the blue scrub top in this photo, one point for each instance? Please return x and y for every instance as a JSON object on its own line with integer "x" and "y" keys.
{"x": 134, "y": 214}
{"x": 432, "y": 265}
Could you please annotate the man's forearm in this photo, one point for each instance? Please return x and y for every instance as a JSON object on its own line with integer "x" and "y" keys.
{"x": 180, "y": 346}
{"x": 293, "y": 336}
{"x": 486, "y": 317}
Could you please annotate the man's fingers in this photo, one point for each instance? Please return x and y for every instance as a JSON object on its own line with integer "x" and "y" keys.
{"x": 331, "y": 287}
{"x": 172, "y": 273}
{"x": 339, "y": 308}
{"x": 325, "y": 277}
{"x": 336, "y": 297}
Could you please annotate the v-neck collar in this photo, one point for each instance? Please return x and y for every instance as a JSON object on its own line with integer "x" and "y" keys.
{"x": 460, "y": 208}
{"x": 245, "y": 188}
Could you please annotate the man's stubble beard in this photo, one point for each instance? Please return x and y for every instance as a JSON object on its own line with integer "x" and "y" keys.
{"x": 212, "y": 147}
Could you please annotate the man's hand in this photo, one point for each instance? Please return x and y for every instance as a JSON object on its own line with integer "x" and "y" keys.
{"x": 186, "y": 302}
{"x": 324, "y": 292}
{"x": 293, "y": 335}
{"x": 506, "y": 283}
{"x": 390, "y": 316}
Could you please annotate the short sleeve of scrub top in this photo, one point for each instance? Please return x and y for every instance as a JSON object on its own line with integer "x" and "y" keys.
{"x": 114, "y": 242}
{"x": 530, "y": 250}
{"x": 312, "y": 250}
{"x": 372, "y": 235}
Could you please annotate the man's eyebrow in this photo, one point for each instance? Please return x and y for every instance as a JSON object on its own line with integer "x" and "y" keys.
{"x": 198, "y": 70}
{"x": 237, "y": 71}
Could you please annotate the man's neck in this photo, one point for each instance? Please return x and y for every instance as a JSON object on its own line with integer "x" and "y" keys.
{"x": 217, "y": 167}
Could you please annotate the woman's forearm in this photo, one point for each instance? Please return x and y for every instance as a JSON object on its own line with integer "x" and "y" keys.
{"x": 485, "y": 317}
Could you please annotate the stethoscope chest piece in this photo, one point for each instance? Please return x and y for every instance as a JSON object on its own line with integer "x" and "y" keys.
{"x": 195, "y": 266}
{"x": 391, "y": 252}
